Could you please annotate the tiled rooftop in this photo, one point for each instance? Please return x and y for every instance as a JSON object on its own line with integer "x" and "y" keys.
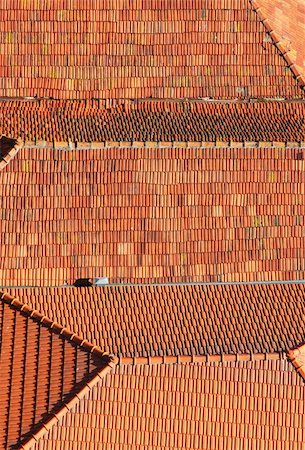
{"x": 152, "y": 215}
{"x": 252, "y": 405}
{"x": 287, "y": 19}
{"x": 60, "y": 122}
{"x": 43, "y": 367}
{"x": 180, "y": 320}
{"x": 161, "y": 161}
{"x": 141, "y": 49}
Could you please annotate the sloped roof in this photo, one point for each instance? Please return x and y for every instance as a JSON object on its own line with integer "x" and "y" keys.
{"x": 179, "y": 320}
{"x": 152, "y": 215}
{"x": 120, "y": 49}
{"x": 241, "y": 405}
{"x": 286, "y": 21}
{"x": 69, "y": 123}
{"x": 45, "y": 370}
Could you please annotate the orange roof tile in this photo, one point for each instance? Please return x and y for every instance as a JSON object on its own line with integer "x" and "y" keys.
{"x": 179, "y": 320}
{"x": 115, "y": 49}
{"x": 65, "y": 123}
{"x": 286, "y": 18}
{"x": 45, "y": 370}
{"x": 188, "y": 406}
{"x": 297, "y": 357}
{"x": 152, "y": 215}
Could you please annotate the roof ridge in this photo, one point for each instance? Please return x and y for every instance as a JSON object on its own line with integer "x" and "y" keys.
{"x": 55, "y": 416}
{"x": 297, "y": 357}
{"x": 108, "y": 362}
{"x": 180, "y": 359}
{"x": 278, "y": 43}
{"x": 18, "y": 144}
{"x": 56, "y": 327}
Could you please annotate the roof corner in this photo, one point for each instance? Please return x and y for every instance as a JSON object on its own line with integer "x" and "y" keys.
{"x": 297, "y": 357}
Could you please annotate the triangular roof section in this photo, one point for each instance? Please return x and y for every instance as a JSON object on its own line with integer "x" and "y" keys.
{"x": 77, "y": 124}
{"x": 285, "y": 20}
{"x": 45, "y": 370}
{"x": 140, "y": 49}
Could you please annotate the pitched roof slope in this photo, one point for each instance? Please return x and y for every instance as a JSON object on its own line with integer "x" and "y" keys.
{"x": 152, "y": 215}
{"x": 44, "y": 370}
{"x": 241, "y": 405}
{"x": 179, "y": 320}
{"x": 121, "y": 49}
{"x": 286, "y": 18}
{"x": 297, "y": 357}
{"x": 69, "y": 122}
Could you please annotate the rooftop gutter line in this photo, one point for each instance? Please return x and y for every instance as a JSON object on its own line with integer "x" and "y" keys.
{"x": 185, "y": 283}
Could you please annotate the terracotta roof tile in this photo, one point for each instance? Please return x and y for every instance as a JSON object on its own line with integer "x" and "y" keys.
{"x": 45, "y": 370}
{"x": 112, "y": 49}
{"x": 187, "y": 406}
{"x": 148, "y": 321}
{"x": 287, "y": 19}
{"x": 66, "y": 123}
{"x": 152, "y": 215}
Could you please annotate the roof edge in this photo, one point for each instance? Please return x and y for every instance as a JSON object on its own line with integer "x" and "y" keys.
{"x": 54, "y": 417}
{"x": 109, "y": 361}
{"x": 10, "y": 155}
{"x": 278, "y": 43}
{"x": 297, "y": 358}
{"x": 54, "y": 327}
{"x": 180, "y": 359}
{"x": 70, "y": 146}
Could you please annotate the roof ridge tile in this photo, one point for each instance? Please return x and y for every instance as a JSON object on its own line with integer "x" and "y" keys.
{"x": 276, "y": 38}
{"x": 297, "y": 357}
{"x": 81, "y": 385}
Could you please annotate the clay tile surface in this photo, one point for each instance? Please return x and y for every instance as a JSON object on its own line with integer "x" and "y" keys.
{"x": 44, "y": 371}
{"x": 243, "y": 405}
{"x": 140, "y": 49}
{"x": 287, "y": 20}
{"x": 64, "y": 122}
{"x": 152, "y": 215}
{"x": 177, "y": 320}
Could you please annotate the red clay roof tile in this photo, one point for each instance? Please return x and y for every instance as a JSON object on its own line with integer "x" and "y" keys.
{"x": 244, "y": 405}
{"x": 297, "y": 357}
{"x": 152, "y": 215}
{"x": 44, "y": 371}
{"x": 115, "y": 49}
{"x": 63, "y": 124}
{"x": 287, "y": 19}
{"x": 148, "y": 321}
